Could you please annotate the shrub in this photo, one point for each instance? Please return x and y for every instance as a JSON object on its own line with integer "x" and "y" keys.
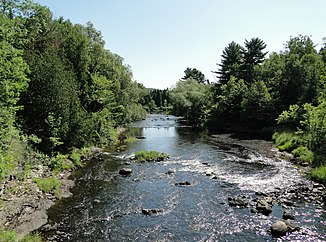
{"x": 319, "y": 174}
{"x": 49, "y": 185}
{"x": 75, "y": 156}
{"x": 304, "y": 154}
{"x": 130, "y": 139}
{"x": 152, "y": 155}
{"x": 60, "y": 162}
{"x": 286, "y": 141}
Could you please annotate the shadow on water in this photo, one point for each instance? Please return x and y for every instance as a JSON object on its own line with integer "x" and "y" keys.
{"x": 106, "y": 206}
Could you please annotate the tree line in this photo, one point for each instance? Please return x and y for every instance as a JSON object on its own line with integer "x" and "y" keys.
{"x": 60, "y": 88}
{"x": 284, "y": 94}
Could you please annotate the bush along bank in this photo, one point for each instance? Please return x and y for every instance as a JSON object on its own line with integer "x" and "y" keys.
{"x": 307, "y": 139}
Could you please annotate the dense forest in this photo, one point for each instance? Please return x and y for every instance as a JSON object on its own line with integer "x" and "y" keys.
{"x": 60, "y": 88}
{"x": 282, "y": 96}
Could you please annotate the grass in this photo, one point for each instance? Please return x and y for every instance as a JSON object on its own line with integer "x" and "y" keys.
{"x": 304, "y": 154}
{"x": 285, "y": 141}
{"x": 152, "y": 155}
{"x": 60, "y": 162}
{"x": 35, "y": 237}
{"x": 49, "y": 185}
{"x": 8, "y": 235}
{"x": 130, "y": 139}
{"x": 319, "y": 174}
{"x": 75, "y": 156}
{"x": 11, "y": 236}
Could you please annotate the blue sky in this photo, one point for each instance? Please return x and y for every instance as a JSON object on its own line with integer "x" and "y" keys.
{"x": 159, "y": 39}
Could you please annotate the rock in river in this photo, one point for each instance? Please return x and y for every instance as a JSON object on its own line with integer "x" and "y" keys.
{"x": 238, "y": 202}
{"x": 152, "y": 211}
{"x": 264, "y": 205}
{"x": 182, "y": 184}
{"x": 288, "y": 215}
{"x": 279, "y": 228}
{"x": 125, "y": 171}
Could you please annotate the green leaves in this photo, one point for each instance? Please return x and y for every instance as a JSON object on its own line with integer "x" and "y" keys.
{"x": 191, "y": 99}
{"x": 240, "y": 62}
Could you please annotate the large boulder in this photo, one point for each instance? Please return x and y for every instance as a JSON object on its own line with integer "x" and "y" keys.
{"x": 279, "y": 228}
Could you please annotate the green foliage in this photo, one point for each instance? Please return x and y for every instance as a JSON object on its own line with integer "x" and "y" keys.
{"x": 75, "y": 156}
{"x": 130, "y": 139}
{"x": 228, "y": 106}
{"x": 35, "y": 237}
{"x": 286, "y": 140}
{"x": 191, "y": 100}
{"x": 85, "y": 151}
{"x": 304, "y": 154}
{"x": 314, "y": 124}
{"x": 8, "y": 235}
{"x": 60, "y": 162}
{"x": 253, "y": 55}
{"x": 193, "y": 73}
{"x": 257, "y": 107}
{"x": 156, "y": 100}
{"x": 49, "y": 185}
{"x": 230, "y": 63}
{"x": 319, "y": 174}
{"x": 143, "y": 155}
{"x": 240, "y": 62}
{"x": 291, "y": 118}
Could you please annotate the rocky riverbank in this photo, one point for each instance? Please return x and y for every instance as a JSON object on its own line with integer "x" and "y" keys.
{"x": 23, "y": 204}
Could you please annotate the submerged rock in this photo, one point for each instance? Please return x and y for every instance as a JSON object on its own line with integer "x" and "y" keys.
{"x": 171, "y": 171}
{"x": 186, "y": 183}
{"x": 125, "y": 171}
{"x": 152, "y": 211}
{"x": 140, "y": 137}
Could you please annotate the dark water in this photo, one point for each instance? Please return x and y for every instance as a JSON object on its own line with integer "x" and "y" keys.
{"x": 108, "y": 207}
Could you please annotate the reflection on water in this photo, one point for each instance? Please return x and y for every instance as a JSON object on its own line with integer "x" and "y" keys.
{"x": 108, "y": 207}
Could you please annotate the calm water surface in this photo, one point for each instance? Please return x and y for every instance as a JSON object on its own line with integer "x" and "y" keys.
{"x": 108, "y": 207}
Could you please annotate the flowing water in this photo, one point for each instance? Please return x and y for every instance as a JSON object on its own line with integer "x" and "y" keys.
{"x": 106, "y": 206}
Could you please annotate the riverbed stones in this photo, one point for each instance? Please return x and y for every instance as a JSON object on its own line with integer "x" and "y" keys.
{"x": 264, "y": 205}
{"x": 125, "y": 171}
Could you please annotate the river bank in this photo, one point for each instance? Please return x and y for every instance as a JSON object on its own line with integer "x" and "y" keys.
{"x": 24, "y": 205}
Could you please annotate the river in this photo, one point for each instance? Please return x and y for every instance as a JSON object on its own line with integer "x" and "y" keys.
{"x": 106, "y": 206}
